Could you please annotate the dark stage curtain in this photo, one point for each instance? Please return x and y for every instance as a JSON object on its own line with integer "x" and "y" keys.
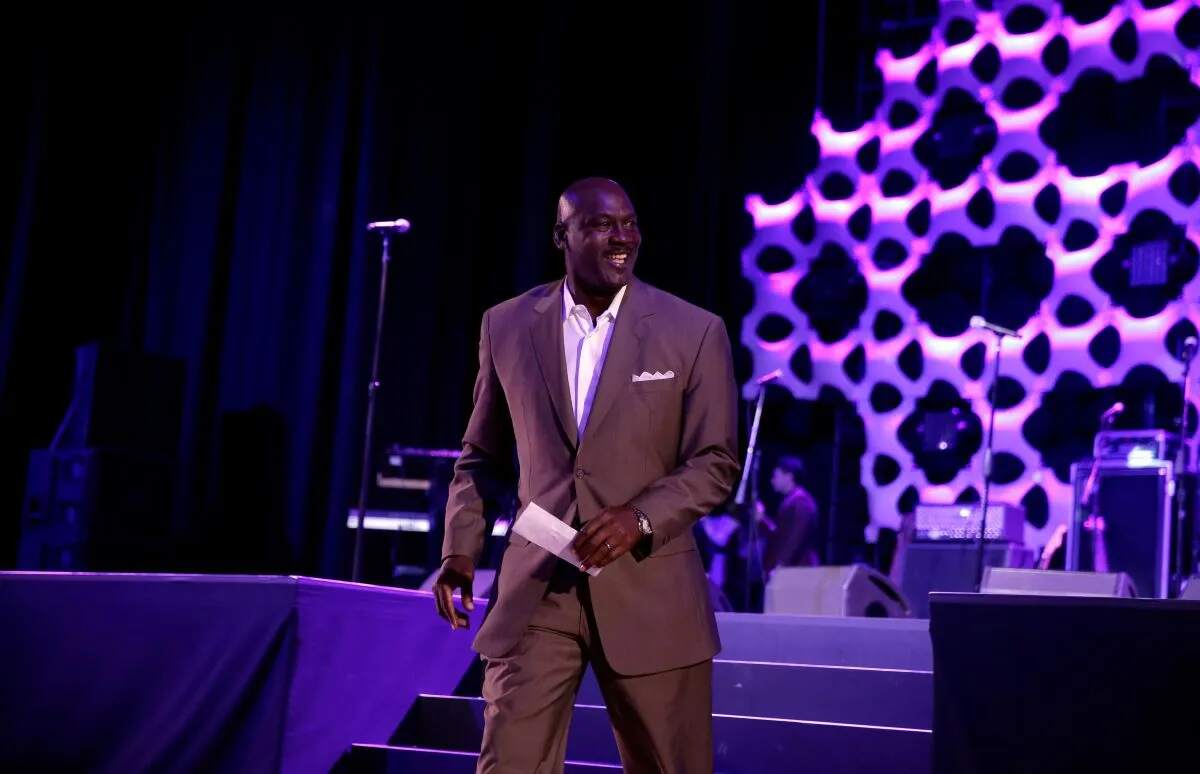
{"x": 197, "y": 187}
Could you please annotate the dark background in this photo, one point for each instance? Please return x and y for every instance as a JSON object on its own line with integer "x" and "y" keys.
{"x": 197, "y": 187}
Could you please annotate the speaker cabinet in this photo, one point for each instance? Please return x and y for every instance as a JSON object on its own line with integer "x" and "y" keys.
{"x": 1137, "y": 537}
{"x": 951, "y": 566}
{"x": 851, "y": 590}
{"x": 124, "y": 400}
{"x": 97, "y": 509}
{"x": 1056, "y": 583}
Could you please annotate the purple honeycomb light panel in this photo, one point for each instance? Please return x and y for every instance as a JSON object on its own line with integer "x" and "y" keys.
{"x": 968, "y": 111}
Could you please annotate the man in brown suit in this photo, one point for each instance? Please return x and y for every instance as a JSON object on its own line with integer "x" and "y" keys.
{"x": 620, "y": 402}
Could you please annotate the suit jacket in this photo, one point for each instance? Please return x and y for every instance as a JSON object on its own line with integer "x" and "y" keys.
{"x": 666, "y": 446}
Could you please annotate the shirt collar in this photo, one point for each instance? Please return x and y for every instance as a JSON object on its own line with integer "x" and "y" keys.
{"x": 611, "y": 312}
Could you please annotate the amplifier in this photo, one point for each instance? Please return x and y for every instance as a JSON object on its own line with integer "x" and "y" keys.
{"x": 961, "y": 522}
{"x": 951, "y": 566}
{"x": 1136, "y": 447}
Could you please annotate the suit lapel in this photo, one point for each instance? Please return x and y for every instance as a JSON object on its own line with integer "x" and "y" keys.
{"x": 547, "y": 336}
{"x": 622, "y": 353}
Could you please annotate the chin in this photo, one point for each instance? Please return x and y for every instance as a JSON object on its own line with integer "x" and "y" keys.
{"x": 615, "y": 280}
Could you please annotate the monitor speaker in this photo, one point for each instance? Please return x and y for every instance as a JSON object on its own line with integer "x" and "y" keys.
{"x": 1009, "y": 580}
{"x": 850, "y": 590}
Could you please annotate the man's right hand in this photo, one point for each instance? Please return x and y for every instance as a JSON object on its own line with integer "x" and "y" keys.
{"x": 457, "y": 573}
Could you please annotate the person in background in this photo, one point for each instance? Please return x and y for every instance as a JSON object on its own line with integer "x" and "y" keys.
{"x": 792, "y": 538}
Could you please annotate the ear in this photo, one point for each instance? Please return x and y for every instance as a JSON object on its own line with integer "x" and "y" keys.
{"x": 560, "y": 236}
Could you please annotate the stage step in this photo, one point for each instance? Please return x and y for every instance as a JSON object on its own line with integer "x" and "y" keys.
{"x": 880, "y": 643}
{"x": 837, "y": 694}
{"x": 381, "y": 759}
{"x": 884, "y": 643}
{"x": 742, "y": 743}
{"x": 456, "y": 723}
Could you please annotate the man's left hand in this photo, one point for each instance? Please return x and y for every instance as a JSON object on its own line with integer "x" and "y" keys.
{"x": 605, "y": 538}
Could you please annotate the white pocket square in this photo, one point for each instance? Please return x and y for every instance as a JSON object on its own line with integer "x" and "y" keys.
{"x": 646, "y": 376}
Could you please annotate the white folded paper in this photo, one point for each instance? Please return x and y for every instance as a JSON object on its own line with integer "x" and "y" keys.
{"x": 537, "y": 525}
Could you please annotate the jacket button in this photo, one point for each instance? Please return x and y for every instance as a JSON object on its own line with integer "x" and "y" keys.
{"x": 580, "y": 472}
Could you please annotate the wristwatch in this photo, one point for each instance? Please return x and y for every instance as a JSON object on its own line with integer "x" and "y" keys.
{"x": 643, "y": 522}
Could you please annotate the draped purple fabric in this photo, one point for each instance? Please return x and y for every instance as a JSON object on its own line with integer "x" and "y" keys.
{"x": 132, "y": 672}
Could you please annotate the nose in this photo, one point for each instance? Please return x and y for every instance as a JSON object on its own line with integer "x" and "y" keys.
{"x": 626, "y": 234}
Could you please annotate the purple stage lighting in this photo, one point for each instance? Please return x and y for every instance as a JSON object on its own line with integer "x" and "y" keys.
{"x": 1097, "y": 271}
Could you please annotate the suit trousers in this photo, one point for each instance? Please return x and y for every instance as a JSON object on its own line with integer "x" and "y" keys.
{"x": 662, "y": 722}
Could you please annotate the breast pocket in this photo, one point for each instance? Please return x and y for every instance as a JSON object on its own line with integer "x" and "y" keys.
{"x": 660, "y": 402}
{"x": 654, "y": 386}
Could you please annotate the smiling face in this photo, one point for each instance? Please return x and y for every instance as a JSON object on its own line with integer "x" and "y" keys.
{"x": 597, "y": 231}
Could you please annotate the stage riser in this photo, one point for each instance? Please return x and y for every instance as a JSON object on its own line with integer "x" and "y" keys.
{"x": 278, "y": 675}
{"x": 742, "y": 744}
{"x": 1087, "y": 684}
{"x": 828, "y": 694}
{"x": 383, "y": 760}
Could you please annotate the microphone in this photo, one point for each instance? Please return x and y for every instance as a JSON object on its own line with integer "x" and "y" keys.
{"x": 1189, "y": 349}
{"x": 999, "y": 330}
{"x": 398, "y": 226}
{"x": 1113, "y": 412}
{"x": 769, "y": 377}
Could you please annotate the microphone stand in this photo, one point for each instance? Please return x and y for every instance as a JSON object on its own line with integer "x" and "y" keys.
{"x": 1087, "y": 507}
{"x": 987, "y": 463}
{"x": 749, "y": 473}
{"x": 1090, "y": 505}
{"x": 1182, "y": 501}
{"x": 369, "y": 432}
{"x": 835, "y": 473}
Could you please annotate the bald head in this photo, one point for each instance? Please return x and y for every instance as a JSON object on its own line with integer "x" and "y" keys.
{"x": 584, "y": 191}
{"x": 597, "y": 231}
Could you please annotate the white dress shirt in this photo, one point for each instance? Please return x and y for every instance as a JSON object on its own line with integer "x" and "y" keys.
{"x": 585, "y": 344}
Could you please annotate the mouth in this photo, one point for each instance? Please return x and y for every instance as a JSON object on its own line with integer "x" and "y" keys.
{"x": 618, "y": 258}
